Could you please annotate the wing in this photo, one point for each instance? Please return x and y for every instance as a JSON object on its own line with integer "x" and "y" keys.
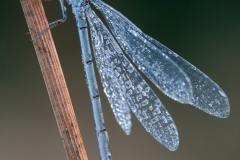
{"x": 134, "y": 90}
{"x": 172, "y": 74}
{"x": 112, "y": 88}
{"x": 156, "y": 65}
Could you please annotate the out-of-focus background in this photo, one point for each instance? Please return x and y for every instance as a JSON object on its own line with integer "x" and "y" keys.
{"x": 206, "y": 33}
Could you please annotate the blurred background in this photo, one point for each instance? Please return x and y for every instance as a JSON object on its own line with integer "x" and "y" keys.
{"x": 206, "y": 33}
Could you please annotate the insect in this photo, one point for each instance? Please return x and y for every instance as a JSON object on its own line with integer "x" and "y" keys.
{"x": 126, "y": 89}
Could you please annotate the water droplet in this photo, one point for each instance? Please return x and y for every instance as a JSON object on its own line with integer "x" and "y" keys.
{"x": 116, "y": 74}
{"x": 147, "y": 89}
{"x": 128, "y": 84}
{"x": 157, "y": 103}
{"x": 130, "y": 68}
{"x": 150, "y": 108}
{"x": 139, "y": 89}
{"x": 139, "y": 97}
{"x": 156, "y": 111}
{"x": 222, "y": 93}
{"x": 144, "y": 102}
{"x": 130, "y": 92}
{"x": 154, "y": 120}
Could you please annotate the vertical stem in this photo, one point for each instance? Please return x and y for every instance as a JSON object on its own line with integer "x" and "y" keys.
{"x": 54, "y": 80}
{"x": 102, "y": 135}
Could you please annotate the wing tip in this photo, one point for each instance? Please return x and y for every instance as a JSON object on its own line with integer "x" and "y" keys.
{"x": 127, "y": 132}
{"x": 226, "y": 112}
{"x": 225, "y": 109}
{"x": 174, "y": 146}
{"x": 171, "y": 143}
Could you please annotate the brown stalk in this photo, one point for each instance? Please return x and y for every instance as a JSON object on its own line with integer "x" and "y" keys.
{"x": 54, "y": 80}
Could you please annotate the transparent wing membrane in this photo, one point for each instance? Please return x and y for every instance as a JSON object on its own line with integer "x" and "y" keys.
{"x": 173, "y": 75}
{"x": 122, "y": 81}
{"x": 207, "y": 95}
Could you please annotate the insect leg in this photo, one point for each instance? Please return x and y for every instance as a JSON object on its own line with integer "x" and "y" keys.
{"x": 57, "y": 22}
{"x": 60, "y": 21}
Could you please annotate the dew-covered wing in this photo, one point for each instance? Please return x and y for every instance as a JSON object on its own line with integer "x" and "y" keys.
{"x": 172, "y": 74}
{"x": 207, "y": 95}
{"x": 156, "y": 65}
{"x": 133, "y": 88}
{"x": 112, "y": 88}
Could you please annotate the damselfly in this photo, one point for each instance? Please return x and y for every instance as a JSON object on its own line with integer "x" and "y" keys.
{"x": 126, "y": 89}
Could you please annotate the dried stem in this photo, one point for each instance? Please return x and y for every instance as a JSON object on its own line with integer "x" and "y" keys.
{"x": 54, "y": 80}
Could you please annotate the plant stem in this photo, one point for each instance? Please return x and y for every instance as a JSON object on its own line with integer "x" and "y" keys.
{"x": 54, "y": 80}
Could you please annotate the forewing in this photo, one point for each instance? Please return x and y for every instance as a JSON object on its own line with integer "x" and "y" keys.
{"x": 207, "y": 95}
{"x": 172, "y": 74}
{"x": 137, "y": 93}
{"x": 156, "y": 65}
